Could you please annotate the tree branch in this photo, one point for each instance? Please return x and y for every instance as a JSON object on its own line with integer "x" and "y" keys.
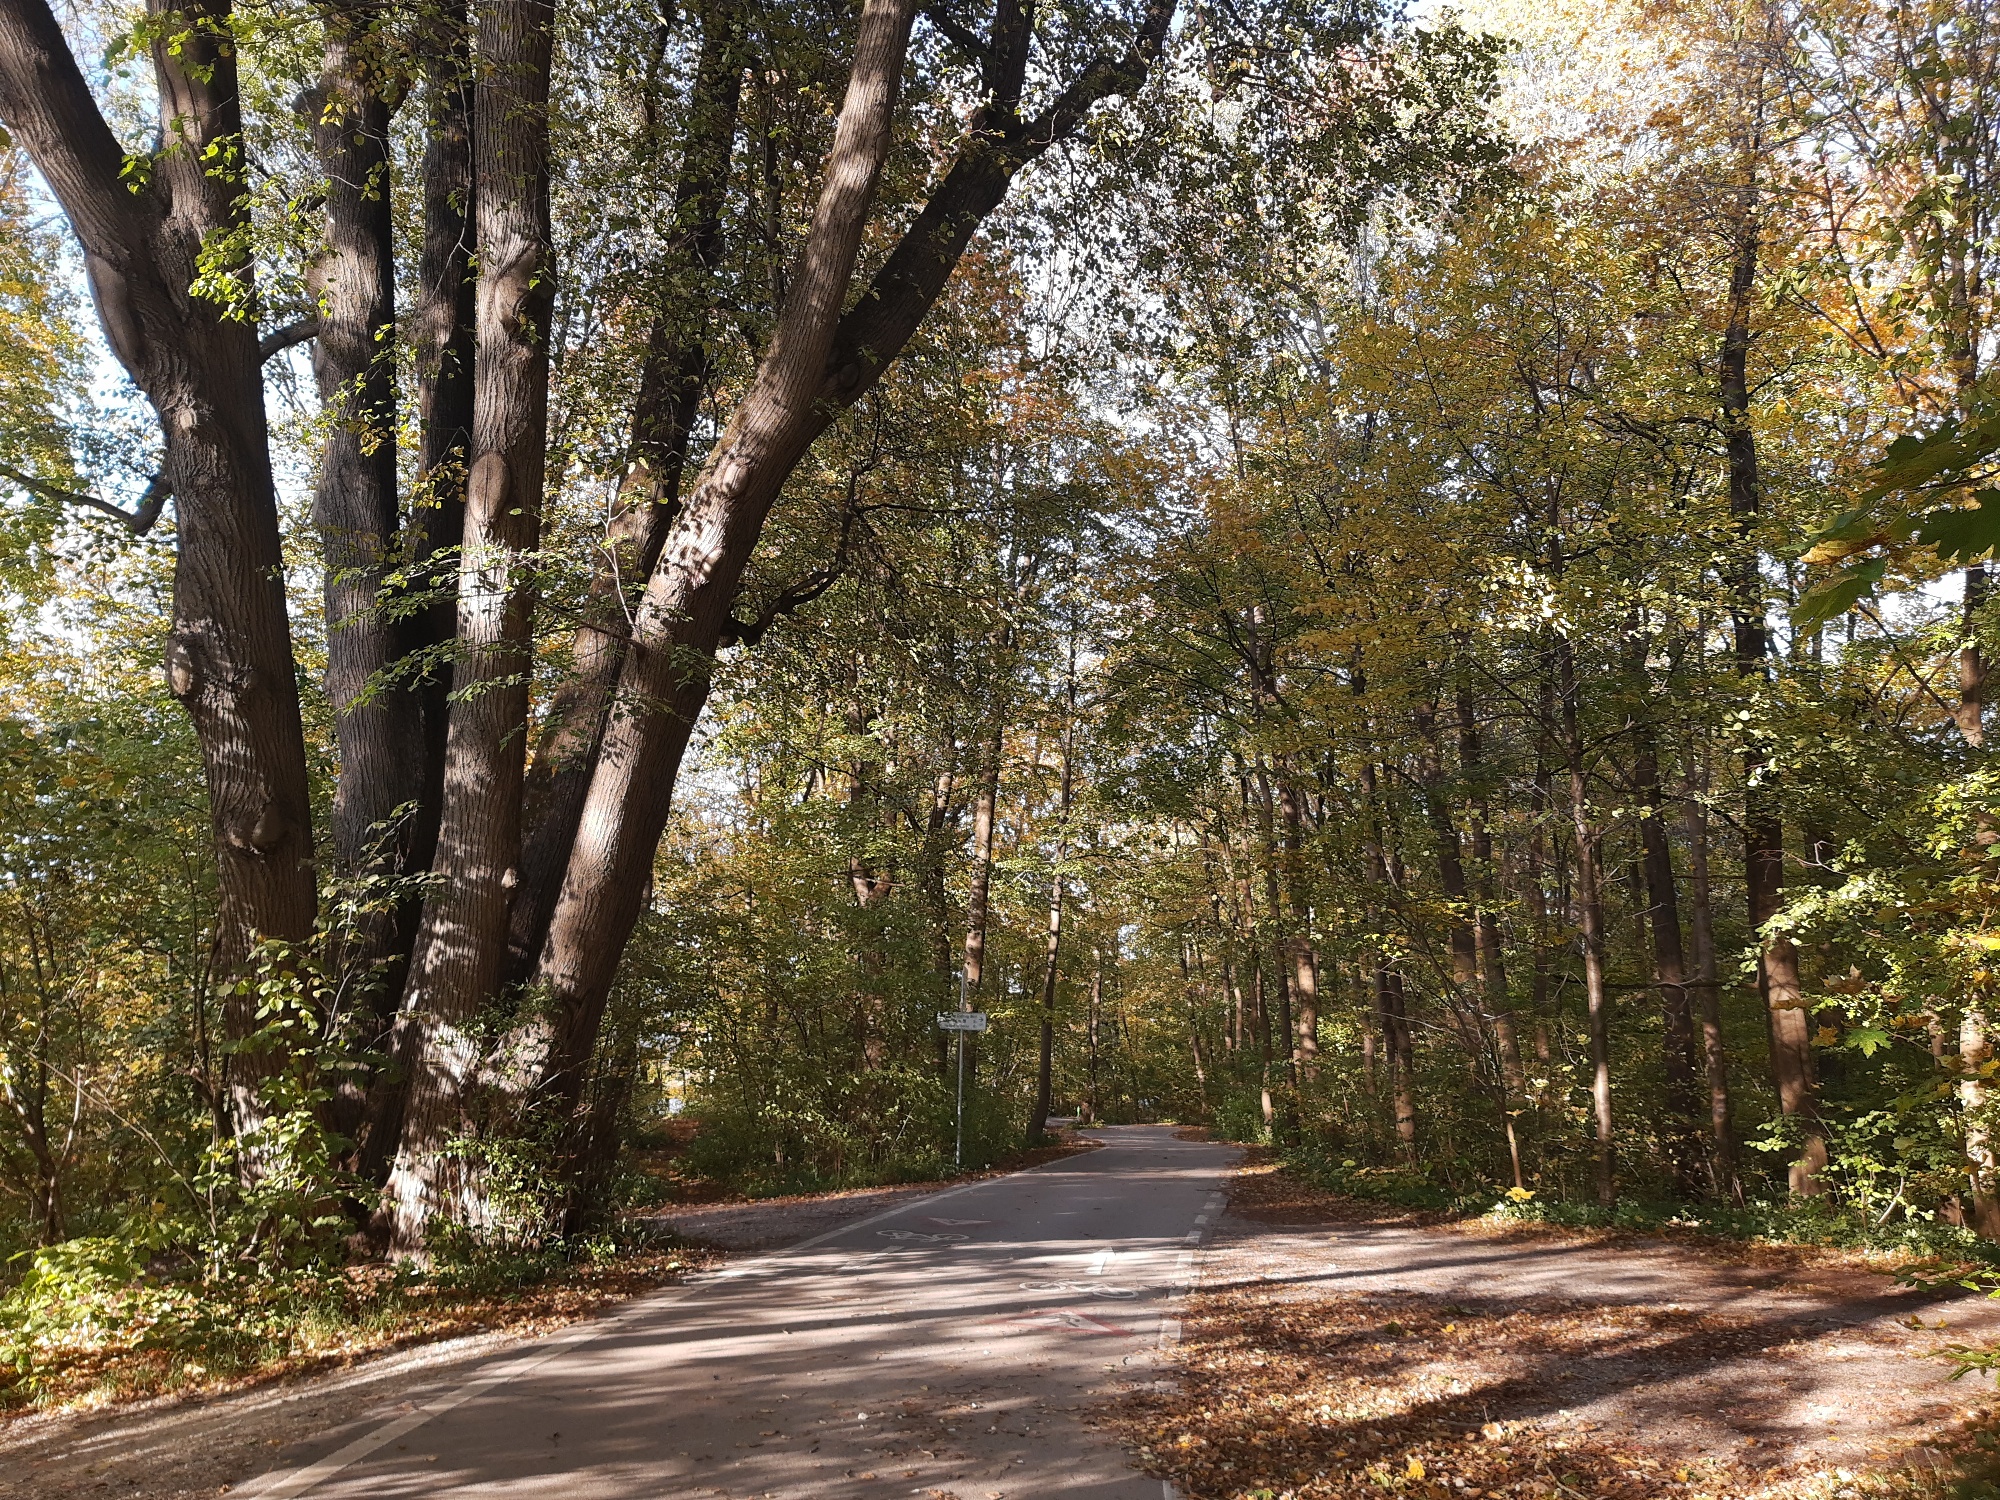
{"x": 49, "y": 108}
{"x": 795, "y": 598}
{"x": 874, "y": 331}
{"x": 278, "y": 340}
{"x": 958, "y": 35}
{"x": 138, "y": 522}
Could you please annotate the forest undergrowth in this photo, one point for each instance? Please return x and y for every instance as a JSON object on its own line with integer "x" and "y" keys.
{"x": 86, "y": 1327}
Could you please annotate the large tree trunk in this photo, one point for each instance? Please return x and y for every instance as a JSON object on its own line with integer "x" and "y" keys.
{"x": 229, "y": 654}
{"x": 817, "y": 364}
{"x": 461, "y": 946}
{"x": 445, "y": 340}
{"x": 1763, "y": 829}
{"x": 376, "y": 719}
{"x": 672, "y": 381}
{"x": 443, "y": 320}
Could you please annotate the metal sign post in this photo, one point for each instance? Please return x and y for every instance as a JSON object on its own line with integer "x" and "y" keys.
{"x": 961, "y": 1021}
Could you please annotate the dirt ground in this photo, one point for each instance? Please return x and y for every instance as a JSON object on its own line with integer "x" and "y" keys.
{"x": 1334, "y": 1349}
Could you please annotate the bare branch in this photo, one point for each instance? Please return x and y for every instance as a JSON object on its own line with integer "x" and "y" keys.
{"x": 958, "y": 35}
{"x": 138, "y": 522}
{"x": 278, "y": 340}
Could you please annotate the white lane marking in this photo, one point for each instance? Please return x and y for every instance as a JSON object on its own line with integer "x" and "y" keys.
{"x": 1167, "y": 1490}
{"x": 285, "y": 1485}
{"x": 1099, "y": 1261}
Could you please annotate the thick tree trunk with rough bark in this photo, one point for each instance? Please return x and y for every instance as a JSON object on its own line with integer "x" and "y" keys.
{"x": 442, "y": 319}
{"x": 461, "y": 947}
{"x": 672, "y": 381}
{"x": 376, "y": 719}
{"x": 229, "y": 654}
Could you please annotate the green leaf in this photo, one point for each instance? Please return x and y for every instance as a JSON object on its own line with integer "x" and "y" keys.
{"x": 1962, "y": 535}
{"x": 1838, "y": 594}
{"x": 1867, "y": 1040}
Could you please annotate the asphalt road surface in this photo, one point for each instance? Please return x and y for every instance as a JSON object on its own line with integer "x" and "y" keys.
{"x": 949, "y": 1347}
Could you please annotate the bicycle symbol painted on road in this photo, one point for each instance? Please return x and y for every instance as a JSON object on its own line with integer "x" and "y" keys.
{"x": 913, "y": 1234}
{"x": 1081, "y": 1288}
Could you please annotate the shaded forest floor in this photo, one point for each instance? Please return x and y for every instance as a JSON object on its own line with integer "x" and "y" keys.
{"x": 1338, "y": 1348}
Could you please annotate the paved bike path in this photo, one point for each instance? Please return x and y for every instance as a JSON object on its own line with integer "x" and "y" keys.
{"x": 944, "y": 1348}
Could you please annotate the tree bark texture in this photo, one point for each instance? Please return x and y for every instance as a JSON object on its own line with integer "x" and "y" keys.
{"x": 461, "y": 946}
{"x": 1763, "y": 829}
{"x": 376, "y": 719}
{"x": 672, "y": 380}
{"x": 229, "y": 654}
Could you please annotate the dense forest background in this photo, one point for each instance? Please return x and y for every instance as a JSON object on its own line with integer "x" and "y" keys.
{"x": 1412, "y": 588}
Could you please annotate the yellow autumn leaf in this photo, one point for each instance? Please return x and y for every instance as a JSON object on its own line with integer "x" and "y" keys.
{"x": 1415, "y": 1470}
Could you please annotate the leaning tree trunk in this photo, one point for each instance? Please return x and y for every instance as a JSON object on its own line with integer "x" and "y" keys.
{"x": 229, "y": 654}
{"x": 817, "y": 364}
{"x": 673, "y": 377}
{"x": 461, "y": 947}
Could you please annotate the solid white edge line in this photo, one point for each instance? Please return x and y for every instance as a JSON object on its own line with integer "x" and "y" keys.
{"x": 288, "y": 1484}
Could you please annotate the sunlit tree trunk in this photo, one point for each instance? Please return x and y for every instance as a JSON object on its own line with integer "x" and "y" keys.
{"x": 461, "y": 948}
{"x": 229, "y": 648}
{"x": 1590, "y": 911}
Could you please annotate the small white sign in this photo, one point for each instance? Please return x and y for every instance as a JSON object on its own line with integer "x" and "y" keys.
{"x": 962, "y": 1020}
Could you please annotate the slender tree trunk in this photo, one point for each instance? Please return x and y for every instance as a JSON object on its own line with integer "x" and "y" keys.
{"x": 1491, "y": 949}
{"x": 461, "y": 947}
{"x": 1279, "y": 966}
{"x": 1305, "y": 958}
{"x": 1763, "y": 829}
{"x": 1590, "y": 908}
{"x": 1669, "y": 959}
{"x": 1044, "y": 1074}
{"x": 1971, "y": 714}
{"x": 1708, "y": 990}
